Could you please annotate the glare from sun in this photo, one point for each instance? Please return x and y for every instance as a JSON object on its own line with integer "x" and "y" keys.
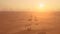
{"x": 41, "y": 5}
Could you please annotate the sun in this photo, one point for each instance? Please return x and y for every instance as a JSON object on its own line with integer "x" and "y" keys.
{"x": 41, "y": 5}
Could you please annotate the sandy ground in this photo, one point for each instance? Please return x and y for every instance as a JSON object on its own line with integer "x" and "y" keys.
{"x": 29, "y": 23}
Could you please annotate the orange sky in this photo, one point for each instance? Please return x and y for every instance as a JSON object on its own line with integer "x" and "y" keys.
{"x": 29, "y": 5}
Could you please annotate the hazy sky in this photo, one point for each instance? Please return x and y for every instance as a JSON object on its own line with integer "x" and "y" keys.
{"x": 29, "y": 4}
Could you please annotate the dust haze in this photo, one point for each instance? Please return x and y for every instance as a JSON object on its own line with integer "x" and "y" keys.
{"x": 29, "y": 22}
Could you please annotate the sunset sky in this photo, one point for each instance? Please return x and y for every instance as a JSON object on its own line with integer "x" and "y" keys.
{"x": 29, "y": 5}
